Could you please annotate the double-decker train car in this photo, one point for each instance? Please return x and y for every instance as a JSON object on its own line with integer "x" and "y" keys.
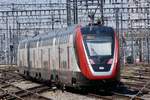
{"x": 77, "y": 56}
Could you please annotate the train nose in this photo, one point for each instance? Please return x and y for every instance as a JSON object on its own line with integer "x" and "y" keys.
{"x": 97, "y": 53}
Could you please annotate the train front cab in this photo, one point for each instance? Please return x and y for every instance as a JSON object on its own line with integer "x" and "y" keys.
{"x": 97, "y": 51}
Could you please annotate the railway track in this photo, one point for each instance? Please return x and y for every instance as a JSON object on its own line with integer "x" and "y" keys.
{"x": 117, "y": 94}
{"x": 113, "y": 96}
{"x": 134, "y": 88}
{"x": 135, "y": 85}
{"x": 10, "y": 91}
{"x": 138, "y": 78}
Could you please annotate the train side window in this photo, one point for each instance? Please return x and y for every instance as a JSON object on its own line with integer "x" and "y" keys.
{"x": 110, "y": 1}
{"x": 50, "y": 41}
{"x": 67, "y": 37}
{"x": 43, "y": 42}
{"x": 63, "y": 39}
{"x": 60, "y": 40}
{"x": 40, "y": 43}
{"x": 57, "y": 40}
{"x": 20, "y": 63}
{"x": 33, "y": 44}
{"x": 25, "y": 45}
{"x": 22, "y": 45}
{"x": 46, "y": 42}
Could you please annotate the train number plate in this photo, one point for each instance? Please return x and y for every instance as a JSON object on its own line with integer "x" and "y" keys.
{"x": 101, "y": 68}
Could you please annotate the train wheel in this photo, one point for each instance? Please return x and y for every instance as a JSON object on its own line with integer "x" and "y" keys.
{"x": 73, "y": 81}
{"x": 57, "y": 82}
{"x": 24, "y": 72}
{"x": 52, "y": 79}
{"x": 39, "y": 76}
{"x": 36, "y": 76}
{"x": 113, "y": 84}
{"x": 63, "y": 87}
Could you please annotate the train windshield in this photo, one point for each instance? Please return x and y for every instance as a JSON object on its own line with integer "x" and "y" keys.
{"x": 99, "y": 46}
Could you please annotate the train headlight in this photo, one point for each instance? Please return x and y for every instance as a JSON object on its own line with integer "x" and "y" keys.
{"x": 91, "y": 61}
{"x": 110, "y": 61}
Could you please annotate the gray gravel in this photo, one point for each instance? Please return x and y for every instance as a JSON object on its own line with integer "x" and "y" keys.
{"x": 59, "y": 95}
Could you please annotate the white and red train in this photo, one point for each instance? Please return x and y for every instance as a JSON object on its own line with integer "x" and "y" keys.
{"x": 77, "y": 56}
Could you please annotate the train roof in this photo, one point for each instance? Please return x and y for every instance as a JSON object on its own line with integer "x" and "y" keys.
{"x": 96, "y": 29}
{"x": 85, "y": 30}
{"x": 51, "y": 34}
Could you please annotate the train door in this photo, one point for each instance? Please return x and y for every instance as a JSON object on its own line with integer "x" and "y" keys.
{"x": 41, "y": 57}
{"x": 41, "y": 60}
{"x": 18, "y": 56}
{"x": 59, "y": 57}
{"x": 28, "y": 59}
{"x": 58, "y": 74}
{"x": 49, "y": 62}
{"x": 62, "y": 55}
{"x": 69, "y": 63}
{"x": 69, "y": 56}
{"x": 54, "y": 59}
{"x": 68, "y": 53}
{"x": 46, "y": 62}
{"x": 34, "y": 59}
